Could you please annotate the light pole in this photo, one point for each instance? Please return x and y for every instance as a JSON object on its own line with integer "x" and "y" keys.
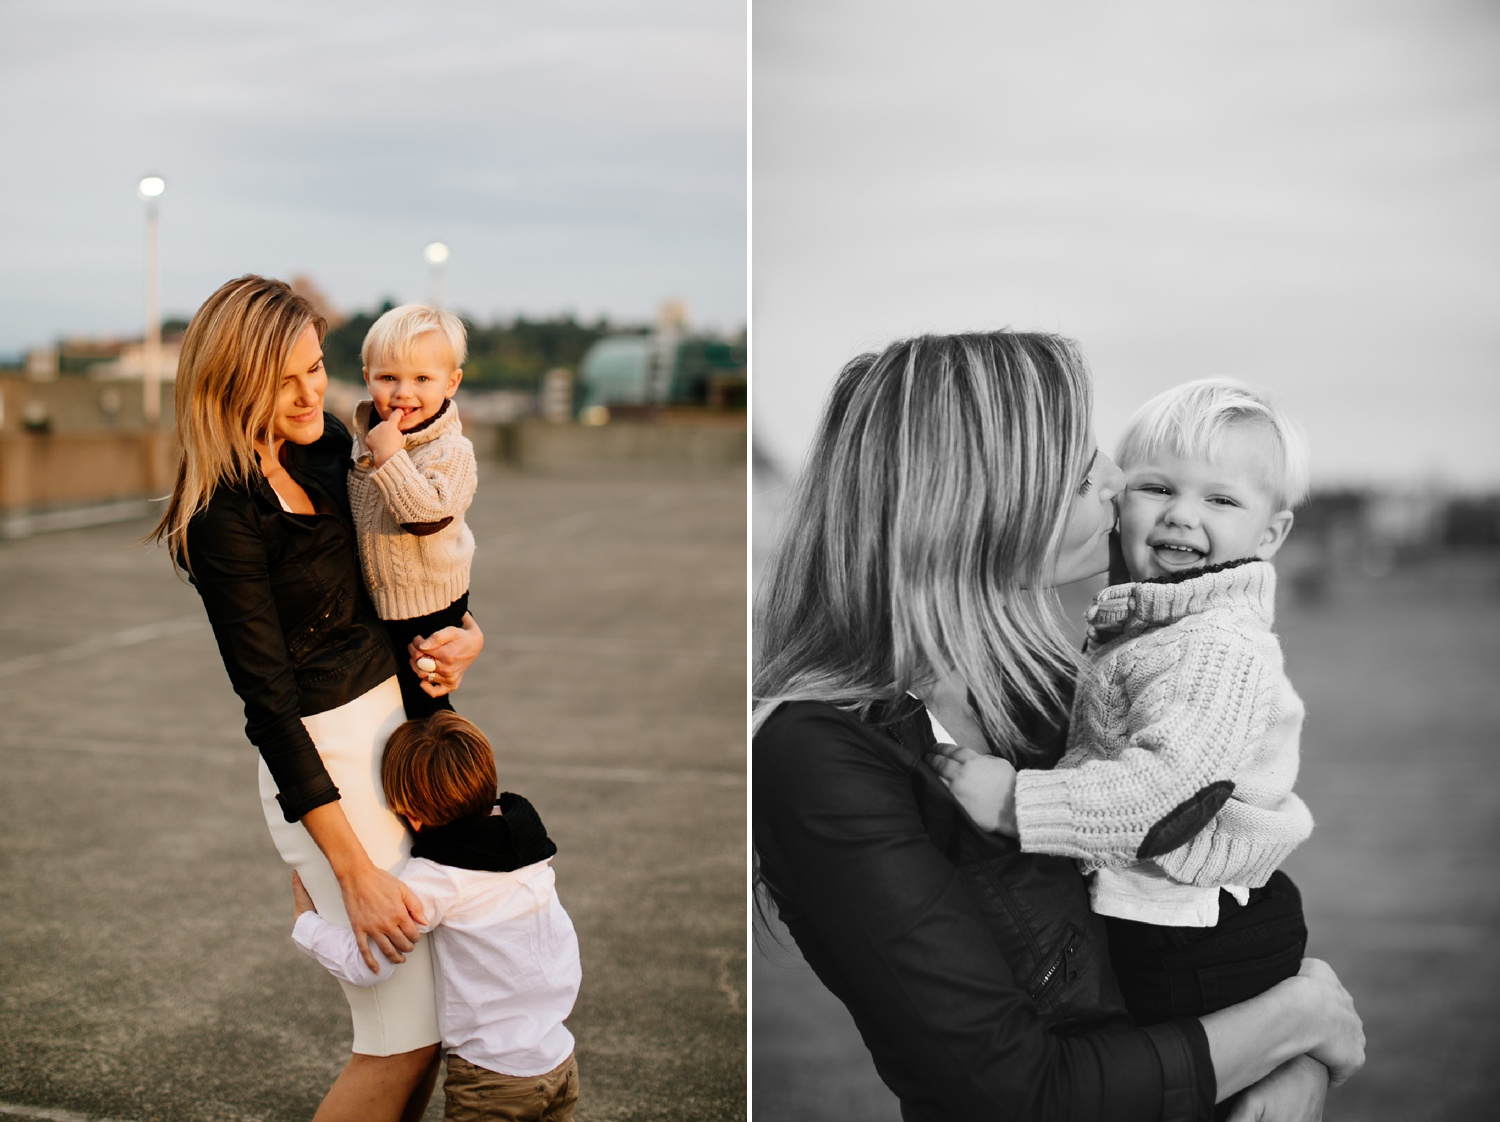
{"x": 436, "y": 254}
{"x": 150, "y": 189}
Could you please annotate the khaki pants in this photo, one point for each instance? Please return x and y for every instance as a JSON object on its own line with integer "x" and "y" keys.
{"x": 475, "y": 1094}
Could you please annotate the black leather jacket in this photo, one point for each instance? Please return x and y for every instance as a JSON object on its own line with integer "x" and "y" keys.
{"x": 976, "y": 973}
{"x": 289, "y": 610}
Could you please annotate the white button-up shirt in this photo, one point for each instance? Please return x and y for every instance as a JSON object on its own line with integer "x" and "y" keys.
{"x": 505, "y": 960}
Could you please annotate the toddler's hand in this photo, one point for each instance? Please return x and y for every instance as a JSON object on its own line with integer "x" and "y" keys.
{"x": 301, "y": 901}
{"x": 386, "y": 439}
{"x": 985, "y": 786}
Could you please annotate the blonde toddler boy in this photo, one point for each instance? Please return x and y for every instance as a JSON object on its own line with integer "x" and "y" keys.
{"x": 413, "y": 477}
{"x": 1175, "y": 791}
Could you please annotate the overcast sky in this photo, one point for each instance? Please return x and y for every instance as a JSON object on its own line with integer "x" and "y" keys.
{"x": 1303, "y": 194}
{"x": 583, "y": 155}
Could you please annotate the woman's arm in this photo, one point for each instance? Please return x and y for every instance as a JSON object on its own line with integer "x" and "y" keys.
{"x": 341, "y": 950}
{"x": 890, "y": 927}
{"x": 886, "y": 922}
{"x": 1294, "y": 1092}
{"x": 1311, "y": 1013}
{"x": 231, "y": 573}
{"x": 453, "y": 649}
{"x": 381, "y": 909}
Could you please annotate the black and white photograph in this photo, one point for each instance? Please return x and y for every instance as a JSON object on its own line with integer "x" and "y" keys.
{"x": 1125, "y": 556}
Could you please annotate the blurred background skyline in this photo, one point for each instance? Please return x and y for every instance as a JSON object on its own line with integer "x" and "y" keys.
{"x": 1299, "y": 195}
{"x": 579, "y": 158}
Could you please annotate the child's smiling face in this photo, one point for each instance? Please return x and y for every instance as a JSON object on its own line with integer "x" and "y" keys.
{"x": 1178, "y": 514}
{"x": 417, "y": 385}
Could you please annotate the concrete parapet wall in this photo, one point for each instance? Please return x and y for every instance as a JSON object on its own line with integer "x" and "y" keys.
{"x": 48, "y": 470}
{"x": 73, "y": 404}
{"x": 629, "y": 447}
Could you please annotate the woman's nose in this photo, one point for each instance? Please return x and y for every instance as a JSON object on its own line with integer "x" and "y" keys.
{"x": 1111, "y": 478}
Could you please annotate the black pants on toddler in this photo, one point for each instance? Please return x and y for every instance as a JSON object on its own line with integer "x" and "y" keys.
{"x": 1168, "y": 972}
{"x": 402, "y": 631}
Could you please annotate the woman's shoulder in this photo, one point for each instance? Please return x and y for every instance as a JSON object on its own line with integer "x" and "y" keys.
{"x": 231, "y": 505}
{"x": 792, "y": 722}
{"x": 809, "y": 736}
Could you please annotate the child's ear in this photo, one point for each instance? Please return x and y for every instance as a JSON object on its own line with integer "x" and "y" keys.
{"x": 1276, "y": 531}
{"x": 453, "y": 380}
{"x": 364, "y": 372}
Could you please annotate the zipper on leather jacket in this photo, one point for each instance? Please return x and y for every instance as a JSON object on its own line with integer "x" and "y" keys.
{"x": 1059, "y": 968}
{"x": 310, "y": 631}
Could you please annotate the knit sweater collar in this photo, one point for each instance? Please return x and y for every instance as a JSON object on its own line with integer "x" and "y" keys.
{"x": 500, "y": 843}
{"x": 445, "y": 420}
{"x": 1244, "y": 586}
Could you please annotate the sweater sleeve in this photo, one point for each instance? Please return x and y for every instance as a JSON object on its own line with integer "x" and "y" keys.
{"x": 441, "y": 487}
{"x": 885, "y": 920}
{"x": 1194, "y": 704}
{"x": 1244, "y": 844}
{"x": 232, "y": 576}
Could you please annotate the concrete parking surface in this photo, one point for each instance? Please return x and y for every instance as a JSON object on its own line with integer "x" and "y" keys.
{"x": 146, "y": 969}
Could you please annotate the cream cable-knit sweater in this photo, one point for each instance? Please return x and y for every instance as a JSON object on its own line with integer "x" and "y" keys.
{"x": 1184, "y": 689}
{"x": 417, "y": 571}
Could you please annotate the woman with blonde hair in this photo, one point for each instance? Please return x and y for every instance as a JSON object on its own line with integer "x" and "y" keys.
{"x": 953, "y": 482}
{"x": 259, "y": 520}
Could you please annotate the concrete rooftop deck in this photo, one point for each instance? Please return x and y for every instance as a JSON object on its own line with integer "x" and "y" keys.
{"x": 146, "y": 971}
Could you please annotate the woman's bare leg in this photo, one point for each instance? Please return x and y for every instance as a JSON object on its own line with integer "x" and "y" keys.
{"x": 416, "y": 1106}
{"x": 381, "y": 1088}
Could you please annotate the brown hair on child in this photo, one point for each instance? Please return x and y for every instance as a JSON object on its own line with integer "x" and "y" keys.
{"x": 438, "y": 770}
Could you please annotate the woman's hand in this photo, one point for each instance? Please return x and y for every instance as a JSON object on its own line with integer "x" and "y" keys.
{"x": 381, "y": 909}
{"x": 1342, "y": 1046}
{"x": 452, "y": 650}
{"x": 383, "y": 912}
{"x": 985, "y": 786}
{"x": 1294, "y": 1092}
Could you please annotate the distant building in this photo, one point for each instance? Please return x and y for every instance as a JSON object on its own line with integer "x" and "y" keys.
{"x": 108, "y": 359}
{"x": 131, "y": 362}
{"x": 666, "y": 367}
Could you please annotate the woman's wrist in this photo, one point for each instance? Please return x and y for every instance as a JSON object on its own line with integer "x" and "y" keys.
{"x": 1301, "y": 1015}
{"x": 333, "y": 835}
{"x": 351, "y": 868}
{"x": 1249, "y": 1040}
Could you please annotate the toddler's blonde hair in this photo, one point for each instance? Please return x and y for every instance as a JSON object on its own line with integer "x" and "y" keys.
{"x": 392, "y": 336}
{"x": 1189, "y": 420}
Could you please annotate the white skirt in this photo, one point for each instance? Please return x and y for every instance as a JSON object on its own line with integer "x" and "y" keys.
{"x": 400, "y": 1014}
